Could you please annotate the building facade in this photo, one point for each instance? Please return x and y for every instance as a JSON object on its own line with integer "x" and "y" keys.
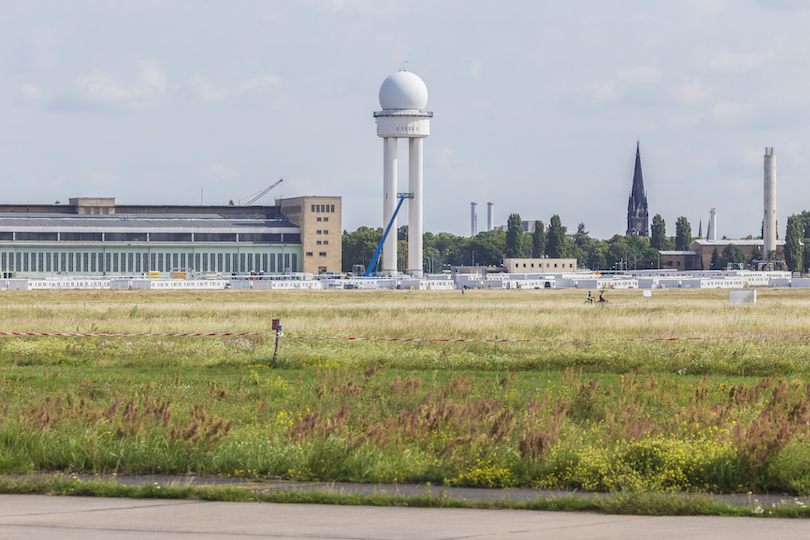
{"x": 96, "y": 237}
{"x": 319, "y": 219}
{"x": 679, "y": 260}
{"x": 530, "y": 266}
{"x": 705, "y": 248}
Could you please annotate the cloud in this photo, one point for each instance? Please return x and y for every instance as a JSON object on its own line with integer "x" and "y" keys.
{"x": 731, "y": 63}
{"x": 692, "y": 93}
{"x": 640, "y": 75}
{"x": 223, "y": 172}
{"x": 622, "y": 82}
{"x": 785, "y": 5}
{"x": 445, "y": 156}
{"x": 42, "y": 42}
{"x": 728, "y": 113}
{"x": 101, "y": 88}
{"x": 253, "y": 84}
{"x": 205, "y": 90}
{"x": 605, "y": 91}
{"x": 250, "y": 84}
{"x": 362, "y": 6}
{"x": 702, "y": 10}
{"x": 643, "y": 18}
{"x": 152, "y": 75}
{"x": 99, "y": 180}
{"x": 30, "y": 93}
{"x": 685, "y": 121}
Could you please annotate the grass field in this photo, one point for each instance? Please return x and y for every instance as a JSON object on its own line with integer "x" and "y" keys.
{"x": 601, "y": 400}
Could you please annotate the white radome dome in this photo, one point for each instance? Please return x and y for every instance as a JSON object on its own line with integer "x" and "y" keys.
{"x": 403, "y": 90}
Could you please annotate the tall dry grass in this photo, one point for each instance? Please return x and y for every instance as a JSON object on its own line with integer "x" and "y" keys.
{"x": 759, "y": 339}
{"x": 434, "y": 314}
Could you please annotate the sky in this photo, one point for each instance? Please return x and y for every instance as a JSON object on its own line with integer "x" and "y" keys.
{"x": 537, "y": 105}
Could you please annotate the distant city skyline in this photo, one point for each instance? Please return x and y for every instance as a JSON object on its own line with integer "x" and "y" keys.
{"x": 537, "y": 106}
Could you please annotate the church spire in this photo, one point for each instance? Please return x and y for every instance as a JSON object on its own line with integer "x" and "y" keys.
{"x": 637, "y": 215}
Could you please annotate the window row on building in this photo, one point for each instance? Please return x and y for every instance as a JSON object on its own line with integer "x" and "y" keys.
{"x": 256, "y": 238}
{"x": 89, "y": 262}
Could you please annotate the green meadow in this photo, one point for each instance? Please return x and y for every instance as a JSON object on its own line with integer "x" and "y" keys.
{"x": 678, "y": 392}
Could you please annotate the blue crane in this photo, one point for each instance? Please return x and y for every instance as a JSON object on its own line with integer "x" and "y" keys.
{"x": 375, "y": 259}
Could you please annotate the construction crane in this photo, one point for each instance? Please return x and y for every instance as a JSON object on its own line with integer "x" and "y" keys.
{"x": 261, "y": 194}
{"x": 374, "y": 265}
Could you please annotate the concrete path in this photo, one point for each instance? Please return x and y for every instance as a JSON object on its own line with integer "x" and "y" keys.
{"x": 460, "y": 493}
{"x": 75, "y": 518}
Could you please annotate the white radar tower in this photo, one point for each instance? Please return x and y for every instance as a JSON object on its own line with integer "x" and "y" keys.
{"x": 403, "y": 98}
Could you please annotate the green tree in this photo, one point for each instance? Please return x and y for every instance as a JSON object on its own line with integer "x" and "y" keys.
{"x": 442, "y": 241}
{"x": 538, "y": 240}
{"x": 489, "y": 247}
{"x": 458, "y": 253}
{"x": 446, "y": 248}
{"x": 359, "y": 246}
{"x": 594, "y": 253}
{"x": 555, "y": 240}
{"x": 629, "y": 252}
{"x": 580, "y": 232}
{"x": 583, "y": 248}
{"x": 731, "y": 255}
{"x": 683, "y": 234}
{"x": 756, "y": 254}
{"x": 431, "y": 259}
{"x": 793, "y": 246}
{"x": 805, "y": 215}
{"x": 643, "y": 255}
{"x": 230, "y": 203}
{"x": 658, "y": 233}
{"x": 572, "y": 251}
{"x": 485, "y": 248}
{"x": 514, "y": 237}
{"x": 713, "y": 264}
{"x": 618, "y": 251}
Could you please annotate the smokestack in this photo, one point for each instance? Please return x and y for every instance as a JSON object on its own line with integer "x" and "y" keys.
{"x": 769, "y": 223}
{"x": 489, "y": 216}
{"x": 712, "y": 233}
{"x": 473, "y": 218}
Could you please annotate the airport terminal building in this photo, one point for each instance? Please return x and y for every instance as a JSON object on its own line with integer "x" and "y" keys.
{"x": 96, "y": 237}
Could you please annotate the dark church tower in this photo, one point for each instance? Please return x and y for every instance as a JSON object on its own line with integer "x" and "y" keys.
{"x": 638, "y": 220}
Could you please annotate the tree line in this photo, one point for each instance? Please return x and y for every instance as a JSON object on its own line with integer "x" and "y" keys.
{"x": 489, "y": 248}
{"x": 627, "y": 252}
{"x": 797, "y": 233}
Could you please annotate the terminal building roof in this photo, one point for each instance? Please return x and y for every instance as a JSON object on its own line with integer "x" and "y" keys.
{"x": 102, "y": 215}
{"x": 44, "y": 222}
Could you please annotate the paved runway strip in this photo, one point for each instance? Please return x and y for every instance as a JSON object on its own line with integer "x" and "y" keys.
{"x": 76, "y": 518}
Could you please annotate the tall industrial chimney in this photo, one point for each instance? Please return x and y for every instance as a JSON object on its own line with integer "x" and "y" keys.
{"x": 712, "y": 225}
{"x": 489, "y": 216}
{"x": 473, "y": 218}
{"x": 769, "y": 222}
